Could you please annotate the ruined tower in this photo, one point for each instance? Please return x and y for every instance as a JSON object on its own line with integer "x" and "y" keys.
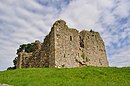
{"x": 67, "y": 47}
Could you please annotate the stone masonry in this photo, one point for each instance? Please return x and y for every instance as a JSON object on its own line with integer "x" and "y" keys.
{"x": 66, "y": 47}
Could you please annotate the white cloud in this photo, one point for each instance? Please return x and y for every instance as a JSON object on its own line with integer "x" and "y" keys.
{"x": 122, "y": 10}
{"x": 121, "y": 57}
{"x": 81, "y": 14}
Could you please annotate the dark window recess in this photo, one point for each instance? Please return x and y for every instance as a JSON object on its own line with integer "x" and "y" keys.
{"x": 81, "y": 42}
{"x": 92, "y": 35}
{"x": 63, "y": 65}
{"x": 70, "y": 38}
{"x": 64, "y": 55}
{"x": 57, "y": 35}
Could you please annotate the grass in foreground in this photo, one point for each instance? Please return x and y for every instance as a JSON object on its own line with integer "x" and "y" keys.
{"x": 85, "y": 76}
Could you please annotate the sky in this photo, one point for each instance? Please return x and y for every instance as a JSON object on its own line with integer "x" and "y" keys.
{"x": 24, "y": 21}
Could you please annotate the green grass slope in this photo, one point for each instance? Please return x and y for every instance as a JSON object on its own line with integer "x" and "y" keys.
{"x": 85, "y": 76}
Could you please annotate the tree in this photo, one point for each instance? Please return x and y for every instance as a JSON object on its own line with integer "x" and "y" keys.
{"x": 26, "y": 48}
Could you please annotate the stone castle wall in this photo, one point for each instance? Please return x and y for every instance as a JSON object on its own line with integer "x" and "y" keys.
{"x": 75, "y": 49}
{"x": 66, "y": 47}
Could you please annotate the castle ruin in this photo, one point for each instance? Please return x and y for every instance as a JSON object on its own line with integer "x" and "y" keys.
{"x": 66, "y": 47}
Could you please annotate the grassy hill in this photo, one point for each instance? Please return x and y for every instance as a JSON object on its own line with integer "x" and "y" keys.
{"x": 85, "y": 76}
